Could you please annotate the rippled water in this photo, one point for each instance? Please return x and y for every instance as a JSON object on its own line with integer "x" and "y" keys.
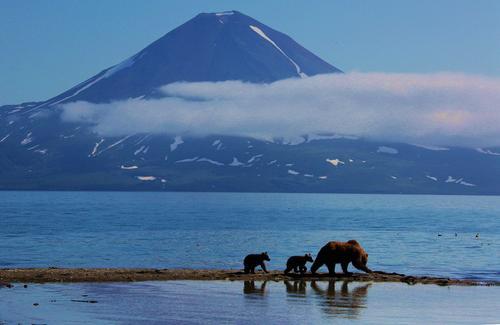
{"x": 217, "y": 302}
{"x": 216, "y": 230}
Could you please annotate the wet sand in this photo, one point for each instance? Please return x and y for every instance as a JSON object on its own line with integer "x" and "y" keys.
{"x": 53, "y": 275}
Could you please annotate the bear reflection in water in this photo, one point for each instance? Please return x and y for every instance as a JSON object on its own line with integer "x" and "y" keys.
{"x": 297, "y": 288}
{"x": 341, "y": 302}
{"x": 334, "y": 297}
{"x": 249, "y": 288}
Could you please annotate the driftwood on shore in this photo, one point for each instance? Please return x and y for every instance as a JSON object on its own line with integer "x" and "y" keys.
{"x": 46, "y": 275}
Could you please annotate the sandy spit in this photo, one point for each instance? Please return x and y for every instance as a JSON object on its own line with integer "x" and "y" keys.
{"x": 52, "y": 275}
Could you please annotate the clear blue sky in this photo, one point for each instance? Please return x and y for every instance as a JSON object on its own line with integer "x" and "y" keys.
{"x": 47, "y": 47}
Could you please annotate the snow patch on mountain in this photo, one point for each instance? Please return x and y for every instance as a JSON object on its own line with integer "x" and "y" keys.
{"x": 224, "y": 13}
{"x": 217, "y": 144}
{"x": 116, "y": 143}
{"x": 28, "y": 139}
{"x": 236, "y": 162}
{"x": 96, "y": 146}
{"x": 264, "y": 36}
{"x": 123, "y": 65}
{"x": 142, "y": 139}
{"x": 210, "y": 161}
{"x": 186, "y": 160}
{"x": 466, "y": 183}
{"x": 140, "y": 150}
{"x": 290, "y": 141}
{"x": 388, "y": 150}
{"x": 254, "y": 158}
{"x": 335, "y": 162}
{"x": 433, "y": 148}
{"x": 177, "y": 142}
{"x": 146, "y": 178}
{"x": 460, "y": 181}
{"x": 484, "y": 151}
{"x": 317, "y": 137}
{"x": 33, "y": 147}
{"x": 128, "y": 167}
{"x": 106, "y": 74}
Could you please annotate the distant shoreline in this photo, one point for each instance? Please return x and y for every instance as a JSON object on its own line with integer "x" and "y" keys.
{"x": 70, "y": 275}
{"x": 125, "y": 190}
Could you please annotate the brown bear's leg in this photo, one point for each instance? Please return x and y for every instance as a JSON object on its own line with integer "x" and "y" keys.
{"x": 296, "y": 269}
{"x": 252, "y": 270}
{"x": 303, "y": 269}
{"x": 331, "y": 268}
{"x": 344, "y": 268}
{"x": 247, "y": 269}
{"x": 316, "y": 265}
{"x": 263, "y": 266}
{"x": 288, "y": 269}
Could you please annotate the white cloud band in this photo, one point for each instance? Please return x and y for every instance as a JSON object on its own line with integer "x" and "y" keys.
{"x": 440, "y": 109}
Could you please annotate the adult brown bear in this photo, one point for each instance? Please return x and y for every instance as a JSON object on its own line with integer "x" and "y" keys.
{"x": 344, "y": 253}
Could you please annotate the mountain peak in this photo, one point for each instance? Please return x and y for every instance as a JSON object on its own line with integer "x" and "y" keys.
{"x": 226, "y": 13}
{"x": 217, "y": 46}
{"x": 233, "y": 13}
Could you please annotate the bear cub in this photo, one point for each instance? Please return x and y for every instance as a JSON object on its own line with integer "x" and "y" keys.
{"x": 251, "y": 261}
{"x": 298, "y": 263}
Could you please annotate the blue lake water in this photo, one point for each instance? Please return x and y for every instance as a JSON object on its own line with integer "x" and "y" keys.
{"x": 216, "y": 230}
{"x": 238, "y": 302}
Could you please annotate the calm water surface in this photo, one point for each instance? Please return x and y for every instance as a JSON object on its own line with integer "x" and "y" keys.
{"x": 216, "y": 302}
{"x": 215, "y": 230}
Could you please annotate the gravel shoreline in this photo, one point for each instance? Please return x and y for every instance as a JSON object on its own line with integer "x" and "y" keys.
{"x": 53, "y": 275}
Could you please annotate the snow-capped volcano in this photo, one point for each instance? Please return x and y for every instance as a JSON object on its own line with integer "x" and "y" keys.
{"x": 210, "y": 47}
{"x": 39, "y": 150}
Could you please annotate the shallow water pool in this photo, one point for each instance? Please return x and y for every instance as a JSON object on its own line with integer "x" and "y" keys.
{"x": 216, "y": 302}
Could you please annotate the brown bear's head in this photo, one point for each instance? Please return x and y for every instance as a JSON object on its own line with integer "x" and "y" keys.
{"x": 265, "y": 257}
{"x": 364, "y": 258}
{"x": 308, "y": 258}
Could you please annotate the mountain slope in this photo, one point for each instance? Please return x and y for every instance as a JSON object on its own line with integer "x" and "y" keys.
{"x": 209, "y": 47}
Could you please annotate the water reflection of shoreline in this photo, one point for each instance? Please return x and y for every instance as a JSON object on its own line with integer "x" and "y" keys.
{"x": 249, "y": 288}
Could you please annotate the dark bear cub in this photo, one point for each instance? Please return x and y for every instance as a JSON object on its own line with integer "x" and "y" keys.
{"x": 298, "y": 263}
{"x": 253, "y": 260}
